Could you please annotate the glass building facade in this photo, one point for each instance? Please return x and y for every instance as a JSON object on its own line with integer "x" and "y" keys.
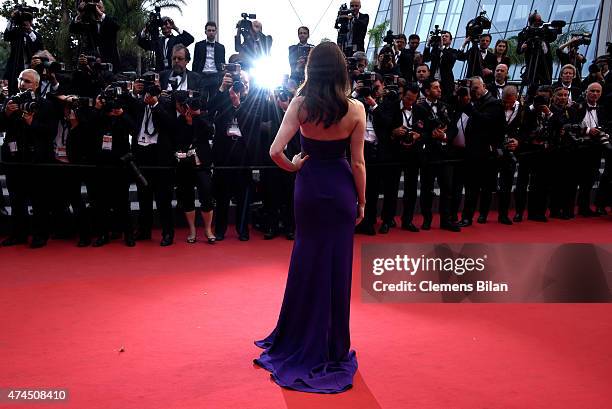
{"x": 508, "y": 18}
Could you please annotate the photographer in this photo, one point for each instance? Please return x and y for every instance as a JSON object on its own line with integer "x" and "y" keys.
{"x": 237, "y": 129}
{"x": 435, "y": 117}
{"x": 443, "y": 58}
{"x": 484, "y": 135}
{"x": 535, "y": 42}
{"x": 496, "y": 88}
{"x": 369, "y": 92}
{"x": 422, "y": 74}
{"x": 278, "y": 185}
{"x": 352, "y": 28}
{"x": 29, "y": 126}
{"x": 535, "y": 144}
{"x": 44, "y": 63}
{"x": 179, "y": 77}
{"x": 386, "y": 62}
{"x": 25, "y": 42}
{"x": 481, "y": 61}
{"x": 208, "y": 60}
{"x": 110, "y": 187}
{"x": 98, "y": 32}
{"x": 152, "y": 146}
{"x": 356, "y": 66}
{"x": 593, "y": 118}
{"x": 566, "y": 80}
{"x": 298, "y": 55}
{"x": 568, "y": 53}
{"x": 403, "y": 147}
{"x": 408, "y": 58}
{"x": 255, "y": 45}
{"x": 191, "y": 135}
{"x": 162, "y": 46}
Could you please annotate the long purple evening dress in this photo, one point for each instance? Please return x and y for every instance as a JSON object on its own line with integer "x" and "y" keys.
{"x": 309, "y": 348}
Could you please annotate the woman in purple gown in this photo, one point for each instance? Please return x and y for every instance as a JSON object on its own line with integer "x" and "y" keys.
{"x": 309, "y": 349}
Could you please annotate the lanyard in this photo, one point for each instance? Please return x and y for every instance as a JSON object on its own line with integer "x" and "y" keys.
{"x": 406, "y": 118}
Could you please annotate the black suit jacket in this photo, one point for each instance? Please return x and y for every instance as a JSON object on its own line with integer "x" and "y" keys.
{"x": 106, "y": 38}
{"x": 199, "y": 58}
{"x": 293, "y": 58}
{"x": 406, "y": 65}
{"x": 15, "y": 65}
{"x": 446, "y": 62}
{"x": 422, "y": 113}
{"x": 492, "y": 87}
{"x": 158, "y": 46}
{"x": 475, "y": 62}
{"x": 360, "y": 28}
{"x": 484, "y": 131}
{"x": 161, "y": 153}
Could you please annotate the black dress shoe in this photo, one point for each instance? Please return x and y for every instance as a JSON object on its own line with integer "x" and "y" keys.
{"x": 481, "y": 219}
{"x": 219, "y": 237}
{"x": 454, "y": 227}
{"x": 537, "y": 218}
{"x": 410, "y": 227}
{"x": 167, "y": 240}
{"x": 38, "y": 242}
{"x": 290, "y": 236}
{"x": 101, "y": 241}
{"x": 384, "y": 228}
{"x": 601, "y": 211}
{"x": 13, "y": 241}
{"x": 363, "y": 228}
{"x": 465, "y": 223}
{"x": 129, "y": 241}
{"x": 270, "y": 234}
{"x": 142, "y": 235}
{"x": 504, "y": 220}
{"x": 243, "y": 237}
{"x": 84, "y": 242}
{"x": 426, "y": 224}
{"x": 518, "y": 218}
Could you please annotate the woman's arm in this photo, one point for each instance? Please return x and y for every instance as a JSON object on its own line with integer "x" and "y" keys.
{"x": 357, "y": 160}
{"x": 287, "y": 130}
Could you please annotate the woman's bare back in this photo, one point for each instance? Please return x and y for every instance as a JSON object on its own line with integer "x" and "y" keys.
{"x": 341, "y": 130}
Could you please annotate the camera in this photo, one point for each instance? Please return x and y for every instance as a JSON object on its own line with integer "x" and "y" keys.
{"x": 77, "y": 103}
{"x": 476, "y": 26}
{"x": 390, "y": 38}
{"x": 391, "y": 87}
{"x": 387, "y": 55}
{"x": 149, "y": 80}
{"x": 283, "y": 94}
{"x": 23, "y": 13}
{"x": 89, "y": 11}
{"x": 155, "y": 22}
{"x": 408, "y": 138}
{"x": 367, "y": 78}
{"x": 246, "y": 24}
{"x": 604, "y": 139}
{"x": 234, "y": 69}
{"x": 114, "y": 95}
{"x": 26, "y": 100}
{"x": 52, "y": 67}
{"x": 582, "y": 38}
{"x": 547, "y": 32}
{"x": 92, "y": 62}
{"x": 435, "y": 36}
{"x": 351, "y": 64}
{"x": 505, "y": 153}
{"x": 188, "y": 98}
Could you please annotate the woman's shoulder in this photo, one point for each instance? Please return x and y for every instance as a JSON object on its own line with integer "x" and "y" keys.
{"x": 355, "y": 105}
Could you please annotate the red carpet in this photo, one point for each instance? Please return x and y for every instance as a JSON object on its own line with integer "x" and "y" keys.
{"x": 187, "y": 317}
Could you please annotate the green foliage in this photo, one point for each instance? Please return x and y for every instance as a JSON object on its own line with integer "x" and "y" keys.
{"x": 377, "y": 33}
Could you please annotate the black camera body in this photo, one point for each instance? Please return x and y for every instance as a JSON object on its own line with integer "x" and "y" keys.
{"x": 367, "y": 78}
{"x": 246, "y": 24}
{"x": 154, "y": 23}
{"x": 351, "y": 64}
{"x": 390, "y": 38}
{"x": 188, "y": 98}
{"x": 476, "y": 26}
{"x": 26, "y": 100}
{"x": 78, "y": 103}
{"x": 283, "y": 94}
{"x": 23, "y": 13}
{"x": 92, "y": 62}
{"x": 583, "y": 38}
{"x": 408, "y": 138}
{"x": 89, "y": 11}
{"x": 435, "y": 36}
{"x": 149, "y": 80}
{"x": 114, "y": 95}
{"x": 547, "y": 32}
{"x": 391, "y": 87}
{"x": 234, "y": 69}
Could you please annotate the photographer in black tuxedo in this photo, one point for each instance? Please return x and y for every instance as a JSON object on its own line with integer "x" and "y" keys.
{"x": 25, "y": 42}
{"x": 298, "y": 55}
{"x": 162, "y": 46}
{"x": 442, "y": 58}
{"x": 352, "y": 28}
{"x": 535, "y": 42}
{"x": 435, "y": 117}
{"x": 250, "y": 42}
{"x": 208, "y": 60}
{"x": 179, "y": 77}
{"x": 97, "y": 31}
{"x": 481, "y": 62}
{"x": 566, "y": 80}
{"x": 408, "y": 57}
{"x": 500, "y": 81}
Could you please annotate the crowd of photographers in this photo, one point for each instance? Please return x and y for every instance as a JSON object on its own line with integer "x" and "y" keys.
{"x": 174, "y": 131}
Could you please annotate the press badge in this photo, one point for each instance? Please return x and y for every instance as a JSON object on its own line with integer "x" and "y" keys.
{"x": 60, "y": 151}
{"x": 12, "y": 146}
{"x": 233, "y": 130}
{"x": 107, "y": 143}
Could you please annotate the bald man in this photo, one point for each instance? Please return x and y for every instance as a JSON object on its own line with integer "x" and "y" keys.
{"x": 500, "y": 81}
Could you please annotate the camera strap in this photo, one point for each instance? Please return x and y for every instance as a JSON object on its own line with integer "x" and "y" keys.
{"x": 407, "y": 119}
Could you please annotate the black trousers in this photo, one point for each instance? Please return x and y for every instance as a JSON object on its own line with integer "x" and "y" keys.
{"x": 189, "y": 178}
{"x": 28, "y": 186}
{"x": 603, "y": 197}
{"x": 533, "y": 176}
{"x": 374, "y": 175}
{"x": 109, "y": 193}
{"x": 210, "y": 85}
{"x": 232, "y": 184}
{"x": 160, "y": 188}
{"x": 391, "y": 177}
{"x": 586, "y": 172}
{"x": 432, "y": 170}
{"x": 67, "y": 183}
{"x": 458, "y": 182}
{"x": 480, "y": 182}
{"x": 278, "y": 188}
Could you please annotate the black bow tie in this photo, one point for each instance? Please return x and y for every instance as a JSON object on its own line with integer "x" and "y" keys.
{"x": 590, "y": 108}
{"x": 209, "y": 44}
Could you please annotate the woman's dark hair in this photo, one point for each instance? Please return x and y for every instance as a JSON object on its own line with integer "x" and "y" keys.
{"x": 326, "y": 88}
{"x": 500, "y": 41}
